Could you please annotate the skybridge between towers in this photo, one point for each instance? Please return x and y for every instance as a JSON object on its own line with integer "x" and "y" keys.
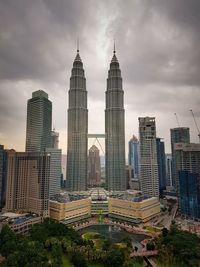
{"x": 96, "y": 135}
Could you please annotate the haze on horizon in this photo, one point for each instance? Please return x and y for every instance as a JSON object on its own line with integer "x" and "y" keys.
{"x": 157, "y": 45}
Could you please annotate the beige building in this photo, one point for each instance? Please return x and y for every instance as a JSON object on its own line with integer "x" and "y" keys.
{"x": 70, "y": 211}
{"x": 130, "y": 208}
{"x": 132, "y": 211}
{"x": 28, "y": 182}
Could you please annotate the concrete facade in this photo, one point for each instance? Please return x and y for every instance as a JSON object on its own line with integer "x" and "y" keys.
{"x": 28, "y": 182}
{"x": 70, "y": 211}
{"x": 148, "y": 157}
{"x": 126, "y": 210}
{"x": 132, "y": 211}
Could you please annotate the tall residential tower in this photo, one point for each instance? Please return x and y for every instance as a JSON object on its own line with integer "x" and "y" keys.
{"x": 148, "y": 157}
{"x": 114, "y": 129}
{"x": 77, "y": 129}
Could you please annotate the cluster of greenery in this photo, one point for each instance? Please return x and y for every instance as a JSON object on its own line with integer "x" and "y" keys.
{"x": 48, "y": 243}
{"x": 177, "y": 247}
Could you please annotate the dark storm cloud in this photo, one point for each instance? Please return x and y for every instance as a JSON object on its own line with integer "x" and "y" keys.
{"x": 157, "y": 44}
{"x": 35, "y": 36}
{"x": 161, "y": 41}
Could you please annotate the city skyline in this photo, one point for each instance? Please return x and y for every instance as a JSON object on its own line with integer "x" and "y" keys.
{"x": 159, "y": 79}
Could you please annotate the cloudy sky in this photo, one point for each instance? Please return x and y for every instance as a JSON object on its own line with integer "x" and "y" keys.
{"x": 158, "y": 47}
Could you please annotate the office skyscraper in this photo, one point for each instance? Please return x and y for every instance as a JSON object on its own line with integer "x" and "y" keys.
{"x": 188, "y": 175}
{"x": 148, "y": 157}
{"x": 94, "y": 167}
{"x": 3, "y": 166}
{"x": 168, "y": 159}
{"x": 77, "y": 129}
{"x": 28, "y": 182}
{"x": 114, "y": 129}
{"x": 1, "y": 173}
{"x": 54, "y": 139}
{"x": 178, "y": 135}
{"x": 133, "y": 155}
{"x": 161, "y": 163}
{"x": 39, "y": 120}
{"x": 55, "y": 170}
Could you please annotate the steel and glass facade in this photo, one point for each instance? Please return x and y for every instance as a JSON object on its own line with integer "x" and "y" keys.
{"x": 133, "y": 155}
{"x": 178, "y": 135}
{"x": 188, "y": 175}
{"x": 114, "y": 130}
{"x": 77, "y": 129}
{"x": 39, "y": 122}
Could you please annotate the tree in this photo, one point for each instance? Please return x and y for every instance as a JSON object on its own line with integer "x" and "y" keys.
{"x": 165, "y": 232}
{"x": 115, "y": 257}
{"x": 150, "y": 245}
{"x": 78, "y": 260}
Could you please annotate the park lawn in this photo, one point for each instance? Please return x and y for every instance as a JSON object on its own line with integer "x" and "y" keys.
{"x": 91, "y": 235}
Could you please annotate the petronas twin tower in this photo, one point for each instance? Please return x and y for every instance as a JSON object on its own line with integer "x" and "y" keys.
{"x": 77, "y": 149}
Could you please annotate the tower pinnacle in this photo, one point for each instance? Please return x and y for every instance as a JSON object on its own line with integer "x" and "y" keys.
{"x": 78, "y": 45}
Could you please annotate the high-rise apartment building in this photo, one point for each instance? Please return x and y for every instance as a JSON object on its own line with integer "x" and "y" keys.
{"x": 133, "y": 155}
{"x": 28, "y": 182}
{"x": 39, "y": 120}
{"x": 77, "y": 129}
{"x": 178, "y": 135}
{"x": 161, "y": 163}
{"x": 168, "y": 159}
{"x": 188, "y": 175}
{"x": 94, "y": 167}
{"x": 115, "y": 170}
{"x": 148, "y": 157}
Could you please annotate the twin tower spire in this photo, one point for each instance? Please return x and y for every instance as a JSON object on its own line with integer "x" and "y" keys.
{"x": 77, "y": 149}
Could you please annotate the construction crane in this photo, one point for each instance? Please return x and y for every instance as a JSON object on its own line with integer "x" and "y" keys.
{"x": 195, "y": 122}
{"x": 177, "y": 119}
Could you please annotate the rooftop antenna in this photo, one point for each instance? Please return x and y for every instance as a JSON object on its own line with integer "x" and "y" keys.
{"x": 78, "y": 45}
{"x": 195, "y": 122}
{"x": 177, "y": 120}
{"x": 114, "y": 51}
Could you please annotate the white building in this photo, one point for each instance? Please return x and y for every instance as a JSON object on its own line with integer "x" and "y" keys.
{"x": 148, "y": 157}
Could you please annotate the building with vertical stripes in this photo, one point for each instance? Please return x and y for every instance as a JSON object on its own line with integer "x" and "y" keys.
{"x": 77, "y": 144}
{"x": 27, "y": 179}
{"x": 39, "y": 122}
{"x": 115, "y": 169}
{"x": 148, "y": 157}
